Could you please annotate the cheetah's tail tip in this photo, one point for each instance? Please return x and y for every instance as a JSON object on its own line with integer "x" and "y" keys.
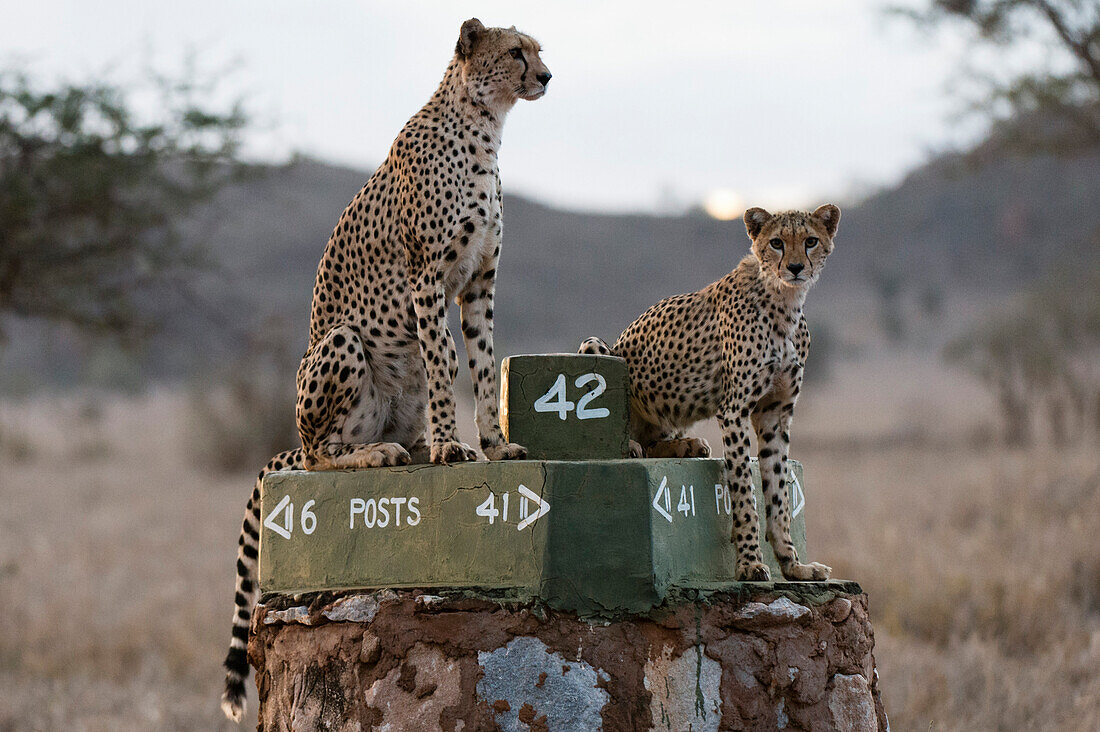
{"x": 233, "y": 701}
{"x": 234, "y": 698}
{"x": 595, "y": 346}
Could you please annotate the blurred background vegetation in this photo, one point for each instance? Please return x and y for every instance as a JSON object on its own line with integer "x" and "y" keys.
{"x": 154, "y": 292}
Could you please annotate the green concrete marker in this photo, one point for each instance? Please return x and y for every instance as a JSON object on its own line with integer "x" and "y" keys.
{"x": 597, "y": 537}
{"x": 577, "y": 526}
{"x": 566, "y": 406}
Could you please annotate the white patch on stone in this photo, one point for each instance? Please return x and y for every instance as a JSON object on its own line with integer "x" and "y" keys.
{"x": 298, "y": 614}
{"x": 684, "y": 691}
{"x": 358, "y": 608}
{"x": 526, "y": 672}
{"x": 354, "y": 609}
{"x": 424, "y": 602}
{"x": 776, "y": 612}
{"x": 437, "y": 686}
{"x": 781, "y": 718}
{"x": 851, "y": 704}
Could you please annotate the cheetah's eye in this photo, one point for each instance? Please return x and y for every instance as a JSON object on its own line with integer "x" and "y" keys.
{"x": 517, "y": 53}
{"x": 811, "y": 242}
{"x": 776, "y": 244}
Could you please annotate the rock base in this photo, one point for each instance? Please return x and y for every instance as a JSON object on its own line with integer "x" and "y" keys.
{"x": 776, "y": 657}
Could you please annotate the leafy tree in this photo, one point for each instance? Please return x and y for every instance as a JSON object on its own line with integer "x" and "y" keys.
{"x": 90, "y": 191}
{"x": 1042, "y": 94}
{"x": 1054, "y": 105}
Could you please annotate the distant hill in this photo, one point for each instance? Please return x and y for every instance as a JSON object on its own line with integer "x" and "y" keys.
{"x": 564, "y": 275}
{"x": 991, "y": 227}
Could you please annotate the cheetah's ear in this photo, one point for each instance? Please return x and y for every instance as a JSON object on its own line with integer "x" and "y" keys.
{"x": 467, "y": 36}
{"x": 829, "y": 216}
{"x": 755, "y": 218}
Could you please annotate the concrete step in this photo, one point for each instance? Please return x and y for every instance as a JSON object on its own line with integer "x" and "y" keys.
{"x": 598, "y": 537}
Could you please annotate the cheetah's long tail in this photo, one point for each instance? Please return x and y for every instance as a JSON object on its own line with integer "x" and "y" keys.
{"x": 248, "y": 550}
{"x": 595, "y": 346}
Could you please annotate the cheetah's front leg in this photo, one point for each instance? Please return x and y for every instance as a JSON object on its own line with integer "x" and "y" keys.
{"x": 746, "y": 531}
{"x": 430, "y": 304}
{"x": 772, "y": 420}
{"x": 476, "y": 305}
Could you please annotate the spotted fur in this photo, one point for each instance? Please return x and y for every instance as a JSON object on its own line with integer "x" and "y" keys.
{"x": 735, "y": 350}
{"x": 375, "y": 386}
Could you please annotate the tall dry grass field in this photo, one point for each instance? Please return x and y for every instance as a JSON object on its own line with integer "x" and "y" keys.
{"x": 982, "y": 563}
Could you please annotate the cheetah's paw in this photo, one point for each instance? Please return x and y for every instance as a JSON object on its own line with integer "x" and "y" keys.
{"x": 684, "y": 447}
{"x": 451, "y": 451}
{"x": 813, "y": 571}
{"x": 753, "y": 572}
{"x": 505, "y": 451}
{"x": 635, "y": 450}
{"x": 380, "y": 454}
{"x": 697, "y": 447}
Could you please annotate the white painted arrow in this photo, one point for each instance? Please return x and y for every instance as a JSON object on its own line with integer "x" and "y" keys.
{"x": 544, "y": 508}
{"x": 269, "y": 522}
{"x": 799, "y": 496}
{"x": 663, "y": 491}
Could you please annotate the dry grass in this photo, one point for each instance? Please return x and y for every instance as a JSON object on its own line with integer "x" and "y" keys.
{"x": 982, "y": 564}
{"x": 983, "y": 571}
{"x": 116, "y": 558}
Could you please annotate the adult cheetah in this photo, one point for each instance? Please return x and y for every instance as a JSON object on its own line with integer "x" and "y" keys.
{"x": 381, "y": 363}
{"x": 735, "y": 350}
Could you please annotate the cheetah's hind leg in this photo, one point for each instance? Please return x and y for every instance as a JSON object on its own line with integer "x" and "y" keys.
{"x": 339, "y": 405}
{"x": 666, "y": 440}
{"x": 595, "y": 346}
{"x": 679, "y": 447}
{"x": 408, "y": 422}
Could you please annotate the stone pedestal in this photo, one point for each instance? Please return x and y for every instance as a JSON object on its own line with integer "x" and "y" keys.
{"x": 596, "y": 592}
{"x": 760, "y": 657}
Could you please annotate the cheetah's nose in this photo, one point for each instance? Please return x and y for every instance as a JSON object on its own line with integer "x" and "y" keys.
{"x": 795, "y": 268}
{"x": 544, "y": 77}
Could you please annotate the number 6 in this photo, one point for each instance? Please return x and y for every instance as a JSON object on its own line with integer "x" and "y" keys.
{"x": 309, "y": 516}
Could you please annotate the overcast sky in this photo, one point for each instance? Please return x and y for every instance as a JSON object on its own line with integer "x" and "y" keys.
{"x": 785, "y": 103}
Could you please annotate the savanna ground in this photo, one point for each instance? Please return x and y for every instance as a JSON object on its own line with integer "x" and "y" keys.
{"x": 982, "y": 562}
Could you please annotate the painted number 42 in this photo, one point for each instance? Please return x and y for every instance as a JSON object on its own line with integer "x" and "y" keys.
{"x": 554, "y": 400}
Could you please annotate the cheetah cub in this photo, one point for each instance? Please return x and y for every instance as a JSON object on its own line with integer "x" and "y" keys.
{"x": 734, "y": 350}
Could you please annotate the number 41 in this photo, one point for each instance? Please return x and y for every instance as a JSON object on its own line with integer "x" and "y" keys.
{"x": 554, "y": 400}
